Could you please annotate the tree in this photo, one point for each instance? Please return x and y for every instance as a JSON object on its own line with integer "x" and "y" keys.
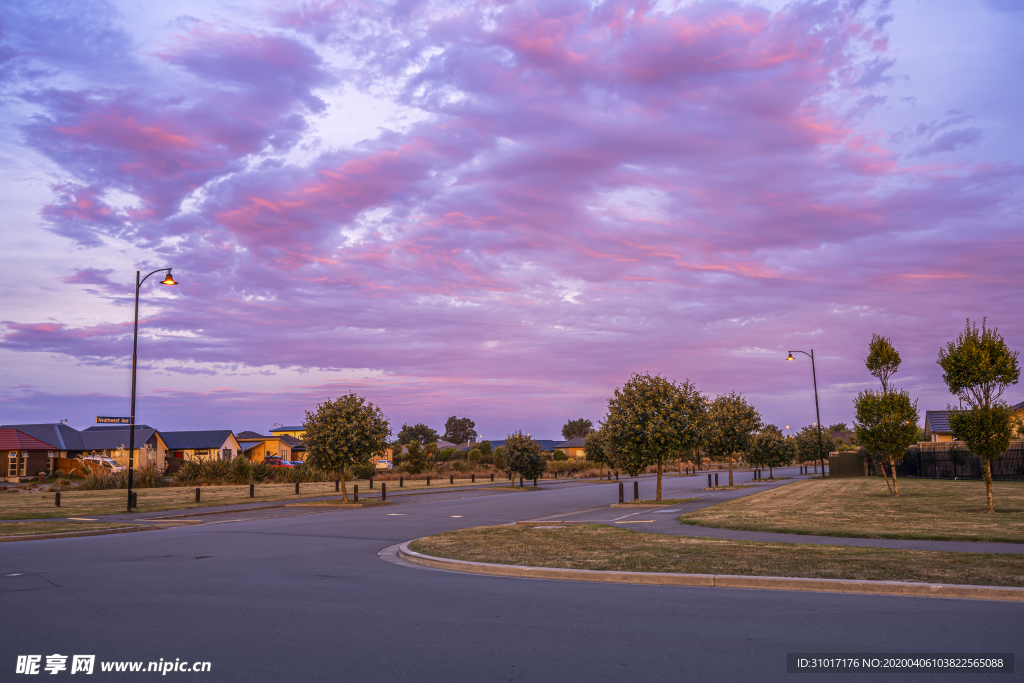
{"x": 730, "y": 427}
{"x": 419, "y": 432}
{"x": 883, "y": 360}
{"x": 459, "y": 430}
{"x": 977, "y": 367}
{"x": 597, "y": 449}
{"x": 417, "y": 459}
{"x": 522, "y": 456}
{"x": 577, "y": 428}
{"x": 886, "y": 426}
{"x": 650, "y": 417}
{"x": 485, "y": 447}
{"x": 807, "y": 445}
{"x": 347, "y": 431}
{"x": 770, "y": 449}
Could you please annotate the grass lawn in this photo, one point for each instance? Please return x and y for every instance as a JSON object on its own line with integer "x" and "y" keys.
{"x": 74, "y": 503}
{"x": 613, "y": 549}
{"x": 25, "y": 528}
{"x": 926, "y": 509}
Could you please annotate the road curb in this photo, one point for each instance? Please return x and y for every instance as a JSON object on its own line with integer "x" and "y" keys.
{"x": 931, "y": 590}
{"x": 77, "y": 534}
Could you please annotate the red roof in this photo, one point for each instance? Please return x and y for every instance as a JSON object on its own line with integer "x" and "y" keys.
{"x": 15, "y": 439}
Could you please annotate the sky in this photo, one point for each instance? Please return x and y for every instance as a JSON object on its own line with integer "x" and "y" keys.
{"x": 499, "y": 210}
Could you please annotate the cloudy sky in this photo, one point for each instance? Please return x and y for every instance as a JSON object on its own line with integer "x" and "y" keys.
{"x": 499, "y": 210}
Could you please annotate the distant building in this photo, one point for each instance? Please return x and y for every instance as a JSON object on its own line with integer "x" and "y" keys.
{"x": 112, "y": 442}
{"x": 257, "y": 447}
{"x": 26, "y": 455}
{"x": 294, "y": 431}
{"x": 63, "y": 438}
{"x": 936, "y": 426}
{"x": 210, "y": 444}
{"x": 573, "y": 448}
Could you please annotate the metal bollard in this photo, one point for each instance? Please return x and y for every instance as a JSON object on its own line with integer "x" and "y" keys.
{"x": 197, "y": 494}
{"x": 355, "y": 493}
{"x": 535, "y": 482}
{"x": 636, "y": 490}
{"x": 56, "y": 499}
{"x": 401, "y": 482}
{"x": 709, "y": 480}
{"x": 492, "y": 476}
{"x": 371, "y": 482}
{"x": 296, "y": 488}
{"x": 383, "y": 492}
{"x": 616, "y": 475}
{"x": 428, "y": 480}
{"x": 252, "y": 490}
{"x": 716, "y": 480}
{"x": 451, "y": 478}
{"x": 520, "y": 481}
{"x": 337, "y": 485}
{"x": 472, "y": 478}
{"x": 621, "y": 499}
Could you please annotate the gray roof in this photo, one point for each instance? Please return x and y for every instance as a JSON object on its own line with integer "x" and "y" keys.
{"x": 253, "y": 435}
{"x": 1019, "y": 406}
{"x": 298, "y": 444}
{"x": 293, "y": 428}
{"x": 114, "y": 428}
{"x": 937, "y": 421}
{"x": 57, "y": 434}
{"x": 182, "y": 441}
{"x": 111, "y": 439}
{"x": 573, "y": 443}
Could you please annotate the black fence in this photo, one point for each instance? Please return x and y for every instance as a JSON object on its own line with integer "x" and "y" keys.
{"x": 947, "y": 461}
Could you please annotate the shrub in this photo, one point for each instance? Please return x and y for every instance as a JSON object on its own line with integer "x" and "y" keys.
{"x": 474, "y": 455}
{"x": 487, "y": 459}
{"x": 363, "y": 470}
{"x": 460, "y": 465}
{"x": 559, "y": 455}
{"x": 147, "y": 477}
{"x": 95, "y": 481}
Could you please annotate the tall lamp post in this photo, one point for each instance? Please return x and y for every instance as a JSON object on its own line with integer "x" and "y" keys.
{"x": 135, "y": 350}
{"x": 817, "y": 412}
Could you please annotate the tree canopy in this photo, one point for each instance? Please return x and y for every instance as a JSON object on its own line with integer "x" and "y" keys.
{"x": 597, "y": 449}
{"x": 978, "y": 367}
{"x": 576, "y": 428}
{"x": 459, "y": 430}
{"x": 651, "y": 417}
{"x": 417, "y": 433}
{"x": 886, "y": 425}
{"x": 807, "y": 447}
{"x": 883, "y": 360}
{"x": 770, "y": 449}
{"x": 729, "y": 427}
{"x": 347, "y": 431}
{"x": 521, "y": 454}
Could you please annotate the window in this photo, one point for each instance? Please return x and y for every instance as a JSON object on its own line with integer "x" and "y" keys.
{"x": 12, "y": 464}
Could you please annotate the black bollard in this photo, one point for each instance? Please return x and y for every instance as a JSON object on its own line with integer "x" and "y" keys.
{"x": 616, "y": 475}
{"x": 709, "y": 480}
{"x": 135, "y": 499}
{"x": 621, "y": 498}
{"x": 472, "y": 478}
{"x": 451, "y": 479}
{"x": 355, "y": 493}
{"x": 428, "y": 480}
{"x": 197, "y": 494}
{"x": 492, "y": 476}
{"x": 337, "y": 485}
{"x": 401, "y": 482}
{"x": 535, "y": 482}
{"x": 383, "y": 492}
{"x": 716, "y": 480}
{"x": 296, "y": 488}
{"x": 371, "y": 482}
{"x": 520, "y": 481}
{"x": 56, "y": 499}
{"x": 252, "y": 490}
{"x": 636, "y": 490}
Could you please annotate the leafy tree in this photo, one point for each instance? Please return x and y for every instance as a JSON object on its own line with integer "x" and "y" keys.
{"x": 886, "y": 426}
{"x": 771, "y": 449}
{"x": 977, "y": 367}
{"x": 474, "y": 455}
{"x": 485, "y": 447}
{"x": 499, "y": 457}
{"x": 807, "y": 445}
{"x": 730, "y": 427}
{"x": 576, "y": 428}
{"x": 522, "y": 456}
{"x": 416, "y": 461}
{"x": 345, "y": 432}
{"x": 883, "y": 360}
{"x": 459, "y": 430}
{"x": 597, "y": 449}
{"x": 650, "y": 417}
{"x": 419, "y": 432}
{"x": 559, "y": 455}
{"x": 837, "y": 427}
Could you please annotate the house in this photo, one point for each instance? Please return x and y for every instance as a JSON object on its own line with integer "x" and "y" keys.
{"x": 258, "y": 447}
{"x": 113, "y": 441}
{"x": 573, "y": 448}
{"x": 936, "y": 426}
{"x": 26, "y": 455}
{"x": 66, "y": 440}
{"x": 294, "y": 431}
{"x": 210, "y": 444}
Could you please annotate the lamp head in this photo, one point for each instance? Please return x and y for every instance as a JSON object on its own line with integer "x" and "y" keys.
{"x": 790, "y": 353}
{"x": 169, "y": 280}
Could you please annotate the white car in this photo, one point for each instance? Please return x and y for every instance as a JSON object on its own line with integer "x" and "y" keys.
{"x": 384, "y": 465}
{"x": 106, "y": 463}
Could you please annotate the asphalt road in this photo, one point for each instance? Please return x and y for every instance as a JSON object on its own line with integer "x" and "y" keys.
{"x": 298, "y": 595}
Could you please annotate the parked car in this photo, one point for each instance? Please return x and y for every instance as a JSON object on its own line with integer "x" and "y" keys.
{"x": 296, "y": 463}
{"x": 384, "y": 465}
{"x": 107, "y": 464}
{"x": 276, "y": 462}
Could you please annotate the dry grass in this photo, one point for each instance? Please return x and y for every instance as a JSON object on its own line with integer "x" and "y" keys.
{"x": 75, "y": 503}
{"x": 605, "y": 548}
{"x": 926, "y": 509}
{"x": 26, "y": 528}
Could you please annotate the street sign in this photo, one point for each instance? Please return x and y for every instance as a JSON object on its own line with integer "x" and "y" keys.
{"x": 113, "y": 420}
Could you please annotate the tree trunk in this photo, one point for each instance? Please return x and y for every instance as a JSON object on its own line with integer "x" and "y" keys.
{"x": 770, "y": 475}
{"x": 881, "y": 466}
{"x": 658, "y": 495}
{"x": 895, "y": 482}
{"x": 344, "y": 491}
{"x": 730, "y": 470}
{"x": 988, "y": 483}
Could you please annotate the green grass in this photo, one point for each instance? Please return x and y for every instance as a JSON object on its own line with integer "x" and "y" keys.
{"x": 606, "y": 548}
{"x": 863, "y": 508}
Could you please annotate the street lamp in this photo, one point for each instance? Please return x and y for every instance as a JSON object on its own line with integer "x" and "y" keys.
{"x": 817, "y": 412}
{"x": 135, "y": 349}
